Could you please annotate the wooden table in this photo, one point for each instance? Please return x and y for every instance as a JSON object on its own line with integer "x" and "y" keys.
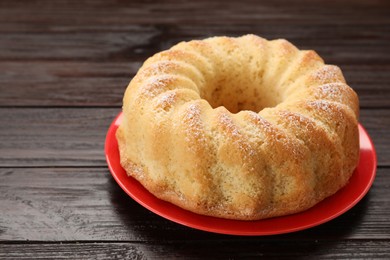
{"x": 64, "y": 66}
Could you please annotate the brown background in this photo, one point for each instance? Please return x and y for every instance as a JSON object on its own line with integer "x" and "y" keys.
{"x": 64, "y": 66}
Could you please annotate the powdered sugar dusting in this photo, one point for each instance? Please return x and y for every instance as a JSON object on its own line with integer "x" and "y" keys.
{"x": 166, "y": 100}
{"x": 329, "y": 109}
{"x": 296, "y": 119}
{"x": 227, "y": 122}
{"x": 328, "y": 74}
{"x": 321, "y": 105}
{"x": 155, "y": 69}
{"x": 155, "y": 85}
{"x": 237, "y": 137}
{"x": 162, "y": 67}
{"x": 194, "y": 129}
{"x": 275, "y": 135}
{"x": 265, "y": 125}
{"x": 330, "y": 90}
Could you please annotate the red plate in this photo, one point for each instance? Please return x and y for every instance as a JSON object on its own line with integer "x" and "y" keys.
{"x": 324, "y": 211}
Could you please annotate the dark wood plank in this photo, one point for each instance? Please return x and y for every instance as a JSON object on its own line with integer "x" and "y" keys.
{"x": 65, "y": 204}
{"x": 75, "y": 136}
{"x": 371, "y": 83}
{"x": 74, "y": 251}
{"x": 65, "y": 83}
{"x": 54, "y": 137}
{"x": 73, "y": 46}
{"x": 75, "y": 83}
{"x": 100, "y": 15}
{"x": 224, "y": 249}
{"x": 377, "y": 123}
{"x": 339, "y": 45}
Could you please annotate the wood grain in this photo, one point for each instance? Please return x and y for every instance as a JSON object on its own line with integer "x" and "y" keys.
{"x": 100, "y": 15}
{"x": 223, "y": 249}
{"x": 54, "y": 137}
{"x": 360, "y": 45}
{"x": 75, "y": 136}
{"x": 86, "y": 204}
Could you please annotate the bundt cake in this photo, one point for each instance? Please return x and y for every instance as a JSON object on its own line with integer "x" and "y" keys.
{"x": 239, "y": 128}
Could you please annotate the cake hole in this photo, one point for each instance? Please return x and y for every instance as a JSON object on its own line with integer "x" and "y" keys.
{"x": 242, "y": 93}
{"x": 247, "y": 88}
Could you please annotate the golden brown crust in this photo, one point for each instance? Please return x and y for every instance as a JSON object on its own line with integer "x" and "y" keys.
{"x": 239, "y": 128}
